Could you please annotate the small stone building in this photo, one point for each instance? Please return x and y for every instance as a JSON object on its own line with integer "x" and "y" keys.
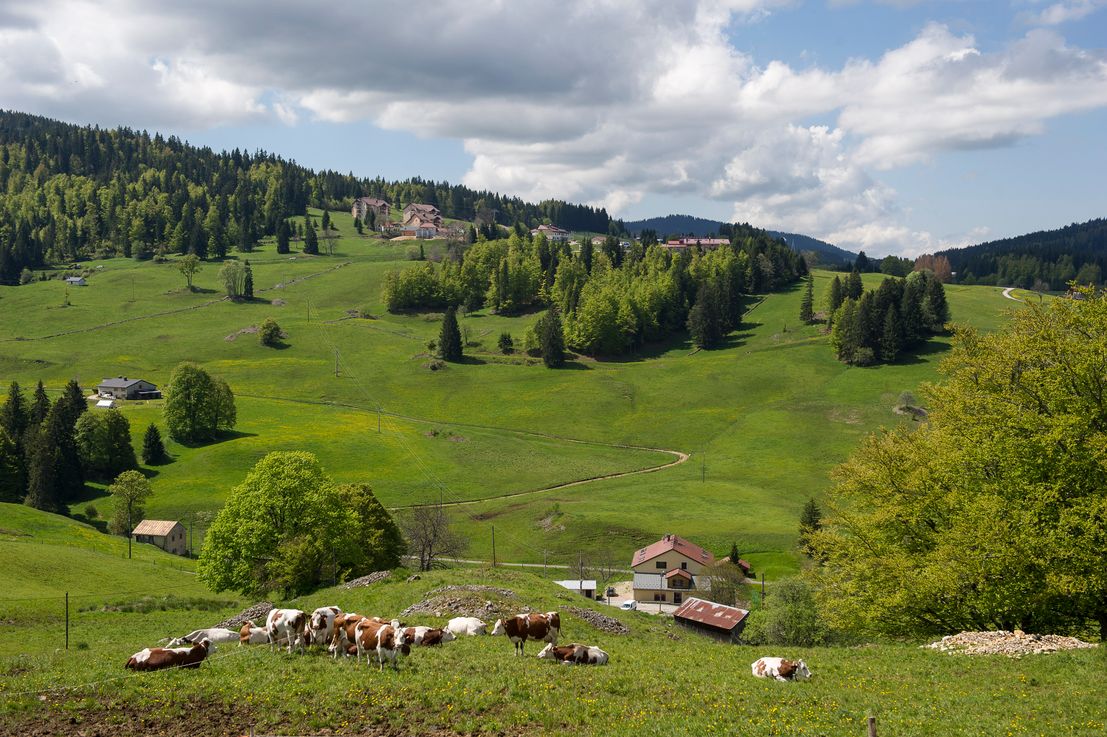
{"x": 169, "y": 535}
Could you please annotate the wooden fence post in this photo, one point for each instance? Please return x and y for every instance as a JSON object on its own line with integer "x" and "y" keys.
{"x": 872, "y": 726}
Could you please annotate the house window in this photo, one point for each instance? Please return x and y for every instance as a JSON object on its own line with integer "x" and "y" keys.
{"x": 677, "y": 598}
{"x": 660, "y": 565}
{"x": 683, "y": 565}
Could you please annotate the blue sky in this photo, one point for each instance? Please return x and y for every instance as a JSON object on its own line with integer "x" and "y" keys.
{"x": 893, "y": 127}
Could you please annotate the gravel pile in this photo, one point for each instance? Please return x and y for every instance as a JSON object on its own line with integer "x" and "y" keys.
{"x": 1012, "y": 644}
{"x": 373, "y": 577}
{"x": 601, "y": 622}
{"x": 486, "y": 602}
{"x": 255, "y": 614}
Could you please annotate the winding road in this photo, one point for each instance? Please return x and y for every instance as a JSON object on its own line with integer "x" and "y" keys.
{"x": 1007, "y": 294}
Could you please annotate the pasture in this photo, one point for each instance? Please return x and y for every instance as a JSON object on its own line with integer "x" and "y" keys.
{"x": 661, "y": 680}
{"x": 762, "y": 419}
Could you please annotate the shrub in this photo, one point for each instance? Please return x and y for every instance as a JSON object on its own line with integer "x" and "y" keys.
{"x": 505, "y": 343}
{"x": 789, "y": 616}
{"x": 270, "y": 333}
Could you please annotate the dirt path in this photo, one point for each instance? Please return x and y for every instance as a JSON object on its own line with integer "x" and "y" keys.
{"x": 1007, "y": 294}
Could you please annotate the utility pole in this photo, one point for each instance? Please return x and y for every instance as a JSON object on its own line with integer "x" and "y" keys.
{"x": 130, "y": 529}
{"x": 544, "y": 557}
{"x": 378, "y": 419}
{"x": 66, "y": 620}
{"x": 336, "y": 363}
{"x": 493, "y": 546}
{"x": 703, "y": 467}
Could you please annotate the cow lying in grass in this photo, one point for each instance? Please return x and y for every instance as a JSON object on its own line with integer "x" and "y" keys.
{"x": 427, "y": 636}
{"x": 218, "y": 635}
{"x": 574, "y": 654}
{"x": 467, "y": 626}
{"x": 781, "y": 669}
{"x": 159, "y": 658}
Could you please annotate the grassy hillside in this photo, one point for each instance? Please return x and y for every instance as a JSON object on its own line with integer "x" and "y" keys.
{"x": 661, "y": 680}
{"x": 763, "y": 419}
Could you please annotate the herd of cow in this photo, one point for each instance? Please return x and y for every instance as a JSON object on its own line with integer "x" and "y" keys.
{"x": 348, "y": 634}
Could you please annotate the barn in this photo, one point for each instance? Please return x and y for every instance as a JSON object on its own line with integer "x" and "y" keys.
{"x": 718, "y": 620}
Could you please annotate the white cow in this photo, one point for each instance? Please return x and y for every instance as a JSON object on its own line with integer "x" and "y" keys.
{"x": 466, "y": 626}
{"x": 781, "y": 669}
{"x": 219, "y": 635}
{"x": 251, "y": 634}
{"x": 286, "y": 624}
{"x": 320, "y": 626}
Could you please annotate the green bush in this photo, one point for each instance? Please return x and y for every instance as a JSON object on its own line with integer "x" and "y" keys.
{"x": 789, "y": 616}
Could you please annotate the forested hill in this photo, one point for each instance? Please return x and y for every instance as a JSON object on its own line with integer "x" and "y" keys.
{"x": 701, "y": 227}
{"x": 1048, "y": 259}
{"x": 69, "y": 192}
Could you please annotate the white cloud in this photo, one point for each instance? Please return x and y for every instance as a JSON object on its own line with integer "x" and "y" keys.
{"x": 1064, "y": 12}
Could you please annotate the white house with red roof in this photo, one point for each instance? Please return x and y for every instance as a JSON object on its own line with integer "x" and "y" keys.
{"x": 670, "y": 570}
{"x": 553, "y": 233}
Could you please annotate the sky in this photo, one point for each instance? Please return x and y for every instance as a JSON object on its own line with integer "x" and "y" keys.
{"x": 891, "y": 126}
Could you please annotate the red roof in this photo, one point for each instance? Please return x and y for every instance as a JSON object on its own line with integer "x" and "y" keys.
{"x": 708, "y": 612}
{"x": 672, "y": 542}
{"x": 678, "y": 572}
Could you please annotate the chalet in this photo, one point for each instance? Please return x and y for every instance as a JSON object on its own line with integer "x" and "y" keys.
{"x": 553, "y": 233}
{"x": 364, "y": 205}
{"x": 669, "y": 570}
{"x": 420, "y": 228}
{"x": 718, "y": 620}
{"x": 169, "y": 535}
{"x": 424, "y": 213}
{"x": 683, "y": 244}
{"x": 123, "y": 388}
{"x": 76, "y": 281}
{"x": 584, "y": 587}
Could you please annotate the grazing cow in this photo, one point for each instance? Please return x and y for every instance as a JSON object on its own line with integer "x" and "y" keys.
{"x": 218, "y": 635}
{"x": 466, "y": 626}
{"x": 781, "y": 669}
{"x": 251, "y": 634}
{"x": 521, "y": 627}
{"x": 367, "y": 636}
{"x": 342, "y": 639}
{"x": 574, "y": 654}
{"x": 320, "y": 625}
{"x": 391, "y": 642}
{"x": 158, "y": 658}
{"x": 286, "y": 624}
{"x": 427, "y": 636}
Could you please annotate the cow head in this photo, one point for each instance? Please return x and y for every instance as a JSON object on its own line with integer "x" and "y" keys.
{"x": 178, "y": 642}
{"x": 447, "y": 636}
{"x": 499, "y": 628}
{"x": 547, "y": 652}
{"x": 801, "y": 673}
{"x": 206, "y": 644}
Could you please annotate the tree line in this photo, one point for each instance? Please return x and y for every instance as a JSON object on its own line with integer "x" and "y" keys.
{"x": 609, "y": 301}
{"x": 71, "y": 192}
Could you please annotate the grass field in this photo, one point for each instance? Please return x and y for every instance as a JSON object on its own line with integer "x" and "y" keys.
{"x": 764, "y": 419}
{"x": 661, "y": 680}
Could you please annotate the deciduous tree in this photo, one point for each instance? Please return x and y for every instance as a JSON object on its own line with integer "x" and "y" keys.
{"x": 129, "y": 493}
{"x": 189, "y": 265}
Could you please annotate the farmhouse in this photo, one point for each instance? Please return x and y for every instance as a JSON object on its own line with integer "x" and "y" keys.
{"x": 717, "y": 620}
{"x": 169, "y": 535}
{"x": 123, "y": 388}
{"x": 76, "y": 281}
{"x": 420, "y": 227}
{"x": 364, "y": 205}
{"x": 553, "y": 233}
{"x": 585, "y": 587}
{"x": 707, "y": 244}
{"x": 669, "y": 570}
{"x": 424, "y": 213}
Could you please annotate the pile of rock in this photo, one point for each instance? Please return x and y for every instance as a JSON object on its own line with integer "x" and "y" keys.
{"x": 372, "y": 578}
{"x": 1001, "y": 642}
{"x": 486, "y": 602}
{"x": 255, "y": 614}
{"x": 601, "y": 622}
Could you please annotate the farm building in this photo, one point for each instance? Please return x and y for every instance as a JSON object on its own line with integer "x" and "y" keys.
{"x": 717, "y": 620}
{"x": 76, "y": 281}
{"x": 425, "y": 213}
{"x": 553, "y": 233}
{"x": 123, "y": 388}
{"x": 669, "y": 570}
{"x": 584, "y": 587}
{"x": 169, "y": 535}
{"x": 363, "y": 205}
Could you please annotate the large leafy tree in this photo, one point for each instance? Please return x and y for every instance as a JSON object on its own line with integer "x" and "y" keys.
{"x": 129, "y": 493}
{"x": 994, "y": 513}
{"x": 104, "y": 443}
{"x": 379, "y": 545}
{"x": 197, "y": 407}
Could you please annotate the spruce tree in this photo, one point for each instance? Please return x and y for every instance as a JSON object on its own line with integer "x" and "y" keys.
{"x": 283, "y": 235}
{"x": 311, "y": 238}
{"x": 59, "y": 432}
{"x": 40, "y": 406}
{"x": 835, "y": 297}
{"x": 449, "y": 338}
{"x": 811, "y": 521}
{"x": 358, "y": 226}
{"x": 552, "y": 338}
{"x": 72, "y": 402}
{"x": 935, "y": 307}
{"x": 42, "y": 483}
{"x": 807, "y": 306}
{"x": 891, "y": 338}
{"x": 13, "y": 484}
{"x": 326, "y": 224}
{"x": 844, "y": 337}
{"x": 505, "y": 343}
{"x": 734, "y": 554}
{"x": 248, "y": 281}
{"x": 14, "y": 415}
{"x": 153, "y": 449}
{"x": 586, "y": 253}
{"x": 854, "y": 286}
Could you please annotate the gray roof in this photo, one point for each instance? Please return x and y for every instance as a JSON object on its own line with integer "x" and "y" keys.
{"x": 121, "y": 382}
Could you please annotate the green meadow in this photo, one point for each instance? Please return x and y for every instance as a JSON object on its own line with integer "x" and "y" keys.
{"x": 763, "y": 419}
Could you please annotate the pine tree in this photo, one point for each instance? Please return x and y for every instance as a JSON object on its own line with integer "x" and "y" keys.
{"x": 14, "y": 416}
{"x": 42, "y": 479}
{"x": 311, "y": 238}
{"x": 326, "y": 225}
{"x": 283, "y": 236}
{"x": 358, "y": 226}
{"x": 551, "y": 337}
{"x": 505, "y": 343}
{"x": 449, "y": 338}
{"x": 40, "y": 406}
{"x": 12, "y": 480}
{"x": 704, "y": 320}
{"x": 844, "y": 337}
{"x": 835, "y": 297}
{"x": 59, "y": 432}
{"x": 854, "y": 287}
{"x": 153, "y": 449}
{"x": 734, "y": 554}
{"x": 586, "y": 253}
{"x": 891, "y": 338}
{"x": 811, "y": 521}
{"x": 248, "y": 281}
{"x": 73, "y": 403}
{"x": 935, "y": 307}
{"x": 807, "y": 306}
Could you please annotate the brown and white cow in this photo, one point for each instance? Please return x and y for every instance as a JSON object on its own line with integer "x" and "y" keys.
{"x": 391, "y": 642}
{"x": 523, "y": 627}
{"x": 286, "y": 624}
{"x": 159, "y": 658}
{"x": 427, "y": 636}
{"x": 781, "y": 669}
{"x": 574, "y": 654}
{"x": 320, "y": 625}
{"x": 251, "y": 634}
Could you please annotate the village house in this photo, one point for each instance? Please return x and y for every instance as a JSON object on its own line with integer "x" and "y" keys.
{"x": 553, "y": 233}
{"x": 76, "y": 281}
{"x": 707, "y": 244}
{"x": 669, "y": 570}
{"x": 718, "y": 620}
{"x": 364, "y": 205}
{"x": 424, "y": 213}
{"x": 584, "y": 586}
{"x": 419, "y": 227}
{"x": 123, "y": 388}
{"x": 169, "y": 535}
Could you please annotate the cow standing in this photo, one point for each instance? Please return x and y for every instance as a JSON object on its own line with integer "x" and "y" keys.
{"x": 159, "y": 658}
{"x": 391, "y": 642}
{"x": 287, "y": 624}
{"x": 521, "y": 627}
{"x": 574, "y": 654}
{"x": 320, "y": 625}
{"x": 781, "y": 669}
{"x": 342, "y": 639}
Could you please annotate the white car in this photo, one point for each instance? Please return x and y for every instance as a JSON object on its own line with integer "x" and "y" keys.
{"x": 629, "y": 605}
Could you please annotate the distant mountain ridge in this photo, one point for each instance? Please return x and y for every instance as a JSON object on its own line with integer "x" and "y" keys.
{"x": 701, "y": 227}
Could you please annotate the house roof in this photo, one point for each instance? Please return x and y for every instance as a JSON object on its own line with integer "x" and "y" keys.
{"x": 574, "y": 584}
{"x": 419, "y": 207}
{"x": 708, "y": 612}
{"x": 155, "y": 527}
{"x": 678, "y": 572}
{"x": 373, "y": 201}
{"x": 672, "y": 542}
{"x": 120, "y": 382}
{"x": 74, "y": 278}
{"x": 549, "y": 229}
